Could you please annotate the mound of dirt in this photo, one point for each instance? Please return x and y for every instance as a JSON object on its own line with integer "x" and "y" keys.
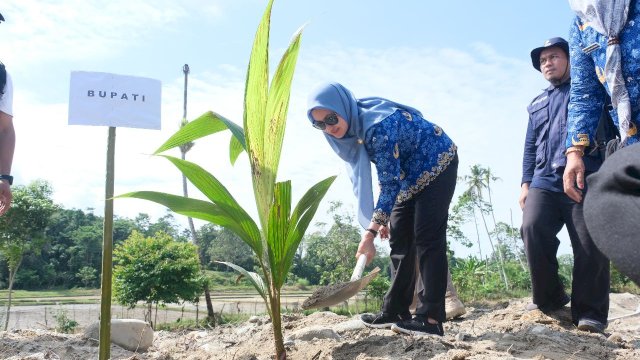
{"x": 502, "y": 331}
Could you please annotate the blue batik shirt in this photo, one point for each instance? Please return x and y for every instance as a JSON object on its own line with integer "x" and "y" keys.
{"x": 588, "y": 84}
{"x": 408, "y": 152}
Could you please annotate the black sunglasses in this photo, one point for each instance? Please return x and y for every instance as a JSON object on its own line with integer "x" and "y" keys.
{"x": 330, "y": 119}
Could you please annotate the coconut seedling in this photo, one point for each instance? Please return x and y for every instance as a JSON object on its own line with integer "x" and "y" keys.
{"x": 281, "y": 226}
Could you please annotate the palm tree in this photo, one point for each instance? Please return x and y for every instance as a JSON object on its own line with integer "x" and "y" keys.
{"x": 488, "y": 179}
{"x": 461, "y": 211}
{"x": 476, "y": 182}
{"x": 184, "y": 148}
{"x": 518, "y": 247}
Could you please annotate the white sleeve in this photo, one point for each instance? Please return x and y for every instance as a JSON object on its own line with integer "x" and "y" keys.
{"x": 6, "y": 99}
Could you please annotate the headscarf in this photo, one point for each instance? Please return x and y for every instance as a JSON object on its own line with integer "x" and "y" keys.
{"x": 360, "y": 115}
{"x": 608, "y": 17}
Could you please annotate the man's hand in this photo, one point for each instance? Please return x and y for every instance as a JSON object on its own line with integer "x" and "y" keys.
{"x": 574, "y": 176}
{"x": 523, "y": 195}
{"x": 366, "y": 247}
{"x": 5, "y": 196}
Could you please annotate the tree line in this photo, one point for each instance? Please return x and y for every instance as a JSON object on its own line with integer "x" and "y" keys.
{"x": 44, "y": 246}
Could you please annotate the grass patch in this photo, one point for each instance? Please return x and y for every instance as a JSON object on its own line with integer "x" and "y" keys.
{"x": 42, "y": 294}
{"x": 190, "y": 324}
{"x": 50, "y": 297}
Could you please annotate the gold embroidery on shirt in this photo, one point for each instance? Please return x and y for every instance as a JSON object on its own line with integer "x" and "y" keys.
{"x": 582, "y": 139}
{"x": 581, "y": 27}
{"x": 600, "y": 73}
{"x": 396, "y": 151}
{"x": 426, "y": 177}
{"x": 380, "y": 218}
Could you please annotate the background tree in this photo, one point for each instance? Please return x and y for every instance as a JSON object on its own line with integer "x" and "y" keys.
{"x": 22, "y": 228}
{"x": 184, "y": 149}
{"x": 329, "y": 258}
{"x": 86, "y": 248}
{"x": 230, "y": 248}
{"x": 166, "y": 224}
{"x": 54, "y": 265}
{"x": 156, "y": 270}
{"x": 513, "y": 250}
{"x": 205, "y": 239}
{"x": 332, "y": 254}
{"x": 72, "y": 243}
{"x": 87, "y": 275}
{"x": 476, "y": 182}
{"x": 462, "y": 211}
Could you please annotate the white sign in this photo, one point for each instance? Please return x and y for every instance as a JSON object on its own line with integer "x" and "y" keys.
{"x": 97, "y": 98}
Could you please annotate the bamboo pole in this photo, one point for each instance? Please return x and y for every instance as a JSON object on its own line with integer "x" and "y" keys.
{"x": 107, "y": 252}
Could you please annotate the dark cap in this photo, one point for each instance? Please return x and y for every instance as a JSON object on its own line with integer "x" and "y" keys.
{"x": 1, "y": 17}
{"x": 553, "y": 42}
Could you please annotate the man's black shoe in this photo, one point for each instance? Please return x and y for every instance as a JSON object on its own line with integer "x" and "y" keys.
{"x": 418, "y": 326}
{"x": 554, "y": 306}
{"x": 380, "y": 320}
{"x": 590, "y": 325}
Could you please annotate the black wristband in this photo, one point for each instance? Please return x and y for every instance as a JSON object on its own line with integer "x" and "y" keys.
{"x": 374, "y": 232}
{"x": 9, "y": 178}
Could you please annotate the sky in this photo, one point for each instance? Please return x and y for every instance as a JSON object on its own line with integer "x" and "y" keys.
{"x": 465, "y": 64}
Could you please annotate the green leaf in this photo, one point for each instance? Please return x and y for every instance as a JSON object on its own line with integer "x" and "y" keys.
{"x": 235, "y": 149}
{"x": 278, "y": 228}
{"x": 277, "y": 108}
{"x": 255, "y": 279}
{"x": 255, "y": 103}
{"x": 207, "y": 124}
{"x": 218, "y": 194}
{"x": 300, "y": 220}
{"x": 204, "y": 210}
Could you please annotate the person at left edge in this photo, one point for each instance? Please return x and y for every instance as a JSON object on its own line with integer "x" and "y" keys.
{"x": 7, "y": 138}
{"x": 417, "y": 165}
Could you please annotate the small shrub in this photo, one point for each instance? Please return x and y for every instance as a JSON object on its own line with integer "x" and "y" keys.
{"x": 302, "y": 284}
{"x": 377, "y": 288}
{"x": 63, "y": 323}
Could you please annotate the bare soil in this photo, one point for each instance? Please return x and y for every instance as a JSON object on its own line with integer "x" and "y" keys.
{"x": 500, "y": 331}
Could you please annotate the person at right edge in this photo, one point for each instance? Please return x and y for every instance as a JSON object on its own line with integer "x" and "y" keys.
{"x": 546, "y": 208}
{"x": 604, "y": 40}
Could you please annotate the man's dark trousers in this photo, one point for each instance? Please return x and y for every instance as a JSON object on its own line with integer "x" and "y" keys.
{"x": 544, "y": 214}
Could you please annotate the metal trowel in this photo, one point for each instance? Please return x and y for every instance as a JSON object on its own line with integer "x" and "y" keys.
{"x": 334, "y": 294}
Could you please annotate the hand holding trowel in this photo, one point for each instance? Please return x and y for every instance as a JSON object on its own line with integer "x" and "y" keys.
{"x": 334, "y": 294}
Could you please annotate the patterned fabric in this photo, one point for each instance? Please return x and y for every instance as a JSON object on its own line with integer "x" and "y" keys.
{"x": 409, "y": 152}
{"x": 588, "y": 52}
{"x": 361, "y": 114}
{"x": 609, "y": 18}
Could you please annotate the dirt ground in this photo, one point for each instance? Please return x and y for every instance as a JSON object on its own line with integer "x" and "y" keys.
{"x": 502, "y": 331}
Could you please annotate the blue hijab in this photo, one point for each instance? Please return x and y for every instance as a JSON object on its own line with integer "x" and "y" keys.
{"x": 360, "y": 114}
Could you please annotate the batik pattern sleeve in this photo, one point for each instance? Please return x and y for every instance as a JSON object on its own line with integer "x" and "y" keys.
{"x": 384, "y": 152}
{"x": 587, "y": 92}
